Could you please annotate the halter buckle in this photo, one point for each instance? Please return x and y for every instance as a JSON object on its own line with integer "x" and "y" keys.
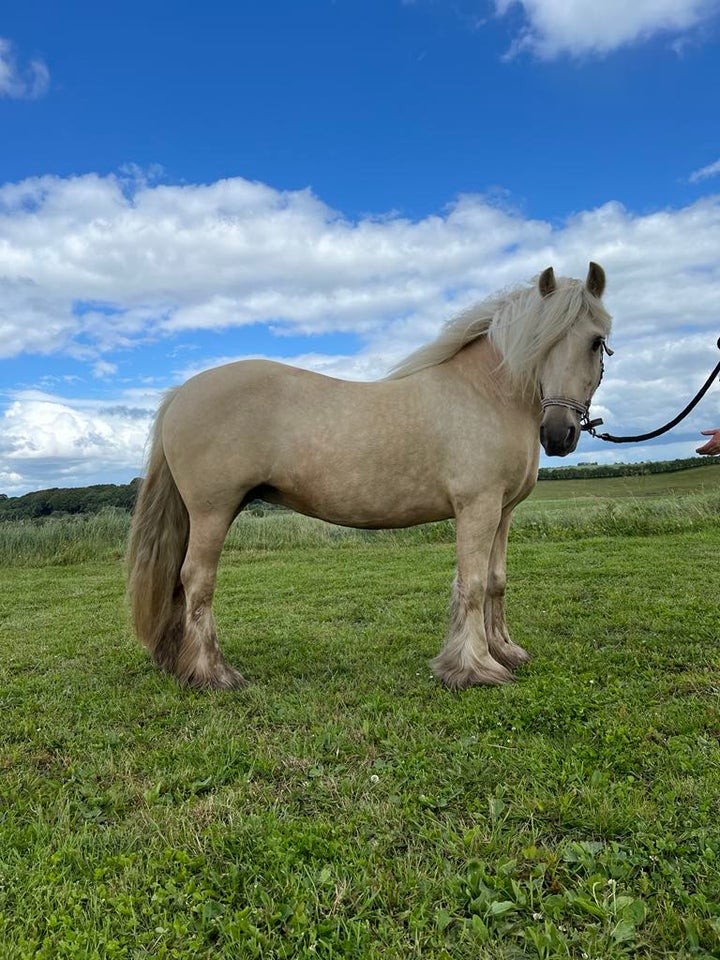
{"x": 590, "y": 425}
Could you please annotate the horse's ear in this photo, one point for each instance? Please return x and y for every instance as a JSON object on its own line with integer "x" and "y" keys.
{"x": 595, "y": 280}
{"x": 546, "y": 282}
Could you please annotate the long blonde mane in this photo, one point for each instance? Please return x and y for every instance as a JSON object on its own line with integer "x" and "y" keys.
{"x": 521, "y": 325}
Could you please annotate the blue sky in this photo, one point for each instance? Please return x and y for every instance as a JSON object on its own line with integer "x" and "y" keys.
{"x": 325, "y": 183}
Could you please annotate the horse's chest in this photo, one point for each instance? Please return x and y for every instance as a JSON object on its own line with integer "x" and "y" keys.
{"x": 505, "y": 460}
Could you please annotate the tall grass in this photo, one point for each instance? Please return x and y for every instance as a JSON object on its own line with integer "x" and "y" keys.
{"x": 617, "y": 517}
{"x": 64, "y": 541}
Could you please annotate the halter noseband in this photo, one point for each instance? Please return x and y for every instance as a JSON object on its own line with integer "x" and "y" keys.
{"x": 580, "y": 408}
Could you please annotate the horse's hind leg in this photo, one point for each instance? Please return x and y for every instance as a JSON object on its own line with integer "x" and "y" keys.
{"x": 466, "y": 659}
{"x": 501, "y": 646}
{"x": 200, "y": 662}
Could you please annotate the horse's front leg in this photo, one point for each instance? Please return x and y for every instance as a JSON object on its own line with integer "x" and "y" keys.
{"x": 501, "y": 646}
{"x": 466, "y": 658}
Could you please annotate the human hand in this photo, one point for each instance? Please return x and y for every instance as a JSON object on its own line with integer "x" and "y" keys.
{"x": 712, "y": 446}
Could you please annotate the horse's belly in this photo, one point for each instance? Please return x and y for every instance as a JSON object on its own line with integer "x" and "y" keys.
{"x": 377, "y": 511}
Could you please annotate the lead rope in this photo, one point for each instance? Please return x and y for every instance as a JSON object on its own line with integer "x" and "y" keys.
{"x": 590, "y": 425}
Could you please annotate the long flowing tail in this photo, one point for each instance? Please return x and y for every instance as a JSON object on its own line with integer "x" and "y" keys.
{"x": 156, "y": 549}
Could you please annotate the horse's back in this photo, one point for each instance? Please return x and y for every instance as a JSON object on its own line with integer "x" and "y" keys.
{"x": 253, "y": 398}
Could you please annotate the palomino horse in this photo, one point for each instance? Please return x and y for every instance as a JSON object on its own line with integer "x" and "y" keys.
{"x": 454, "y": 431}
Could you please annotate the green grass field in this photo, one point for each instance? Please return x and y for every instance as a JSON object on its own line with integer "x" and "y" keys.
{"x": 344, "y": 804}
{"x": 559, "y": 494}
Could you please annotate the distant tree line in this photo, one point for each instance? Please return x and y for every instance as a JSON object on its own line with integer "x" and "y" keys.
{"x": 587, "y": 471}
{"x": 71, "y": 501}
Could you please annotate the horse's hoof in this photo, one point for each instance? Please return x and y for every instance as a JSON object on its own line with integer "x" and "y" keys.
{"x": 511, "y": 655}
{"x": 486, "y": 672}
{"x": 223, "y": 678}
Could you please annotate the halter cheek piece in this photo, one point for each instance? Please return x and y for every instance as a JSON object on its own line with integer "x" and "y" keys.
{"x": 576, "y": 405}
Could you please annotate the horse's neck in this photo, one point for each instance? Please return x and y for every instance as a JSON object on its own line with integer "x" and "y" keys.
{"x": 481, "y": 364}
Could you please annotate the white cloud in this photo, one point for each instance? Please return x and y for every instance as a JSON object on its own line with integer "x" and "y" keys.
{"x": 90, "y": 267}
{"x": 711, "y": 170}
{"x": 102, "y": 369}
{"x": 34, "y": 318}
{"x": 228, "y": 254}
{"x": 19, "y": 82}
{"x": 51, "y": 441}
{"x": 582, "y": 27}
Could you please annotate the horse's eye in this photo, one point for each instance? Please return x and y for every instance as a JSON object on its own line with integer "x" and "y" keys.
{"x": 596, "y": 344}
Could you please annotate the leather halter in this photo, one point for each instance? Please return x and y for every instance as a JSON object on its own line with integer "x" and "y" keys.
{"x": 580, "y": 408}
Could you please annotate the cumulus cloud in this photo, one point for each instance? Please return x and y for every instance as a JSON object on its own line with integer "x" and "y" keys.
{"x": 584, "y": 27}
{"x": 53, "y": 441}
{"x": 18, "y": 81}
{"x": 95, "y": 269}
{"x": 108, "y": 268}
{"x": 88, "y": 268}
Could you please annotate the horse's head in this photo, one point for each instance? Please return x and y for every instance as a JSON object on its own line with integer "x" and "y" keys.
{"x": 572, "y": 368}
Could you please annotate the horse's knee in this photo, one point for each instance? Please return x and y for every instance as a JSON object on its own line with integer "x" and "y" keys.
{"x": 469, "y": 591}
{"x": 496, "y": 583}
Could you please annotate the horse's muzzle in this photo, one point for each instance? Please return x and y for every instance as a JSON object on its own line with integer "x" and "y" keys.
{"x": 559, "y": 431}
